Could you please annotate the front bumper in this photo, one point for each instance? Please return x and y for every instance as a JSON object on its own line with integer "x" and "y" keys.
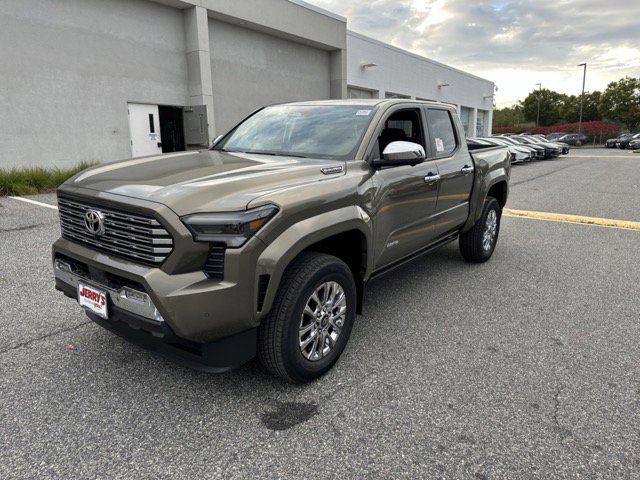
{"x": 133, "y": 315}
{"x": 196, "y": 308}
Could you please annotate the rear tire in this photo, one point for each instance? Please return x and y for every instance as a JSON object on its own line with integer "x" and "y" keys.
{"x": 477, "y": 245}
{"x": 296, "y": 319}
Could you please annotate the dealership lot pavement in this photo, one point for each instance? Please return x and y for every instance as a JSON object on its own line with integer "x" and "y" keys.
{"x": 524, "y": 367}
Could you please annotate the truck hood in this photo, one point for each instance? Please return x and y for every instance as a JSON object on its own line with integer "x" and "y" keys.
{"x": 205, "y": 181}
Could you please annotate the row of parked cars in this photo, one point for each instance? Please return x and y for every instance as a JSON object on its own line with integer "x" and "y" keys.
{"x": 573, "y": 139}
{"x": 523, "y": 148}
{"x": 628, "y": 140}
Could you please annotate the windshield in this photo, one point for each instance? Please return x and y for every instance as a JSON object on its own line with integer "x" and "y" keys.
{"x": 327, "y": 131}
{"x": 509, "y": 140}
{"x": 497, "y": 141}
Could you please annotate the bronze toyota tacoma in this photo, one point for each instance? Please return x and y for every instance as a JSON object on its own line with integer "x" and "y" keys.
{"x": 264, "y": 244}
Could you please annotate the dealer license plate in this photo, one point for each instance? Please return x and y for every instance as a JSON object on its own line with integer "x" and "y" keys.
{"x": 93, "y": 300}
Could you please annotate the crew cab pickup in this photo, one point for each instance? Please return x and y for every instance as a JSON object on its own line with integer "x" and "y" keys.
{"x": 264, "y": 244}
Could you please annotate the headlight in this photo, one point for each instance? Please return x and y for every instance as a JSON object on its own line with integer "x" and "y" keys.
{"x": 232, "y": 228}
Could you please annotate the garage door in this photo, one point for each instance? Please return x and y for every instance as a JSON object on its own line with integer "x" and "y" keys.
{"x": 355, "y": 92}
{"x": 251, "y": 69}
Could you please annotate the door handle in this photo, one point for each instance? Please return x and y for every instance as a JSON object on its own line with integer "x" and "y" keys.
{"x": 431, "y": 178}
{"x": 467, "y": 169}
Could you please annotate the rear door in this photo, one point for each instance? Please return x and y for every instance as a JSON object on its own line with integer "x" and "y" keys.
{"x": 455, "y": 168}
{"x": 406, "y": 196}
{"x": 144, "y": 127}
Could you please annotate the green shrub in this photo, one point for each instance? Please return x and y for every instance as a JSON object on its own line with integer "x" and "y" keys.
{"x": 29, "y": 181}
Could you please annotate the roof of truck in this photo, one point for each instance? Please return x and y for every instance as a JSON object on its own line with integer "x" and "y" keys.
{"x": 368, "y": 101}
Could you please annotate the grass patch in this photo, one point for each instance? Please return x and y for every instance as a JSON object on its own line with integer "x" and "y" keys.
{"x": 29, "y": 181}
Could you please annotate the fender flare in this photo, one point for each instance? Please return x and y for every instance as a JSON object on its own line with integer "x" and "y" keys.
{"x": 480, "y": 191}
{"x": 289, "y": 244}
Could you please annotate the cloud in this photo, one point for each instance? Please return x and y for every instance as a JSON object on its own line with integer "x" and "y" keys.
{"x": 514, "y": 43}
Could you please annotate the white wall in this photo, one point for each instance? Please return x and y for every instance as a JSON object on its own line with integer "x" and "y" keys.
{"x": 251, "y": 69}
{"x": 405, "y": 73}
{"x": 68, "y": 69}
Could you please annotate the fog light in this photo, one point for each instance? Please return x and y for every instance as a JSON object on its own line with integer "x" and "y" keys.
{"x": 62, "y": 266}
{"x": 135, "y": 295}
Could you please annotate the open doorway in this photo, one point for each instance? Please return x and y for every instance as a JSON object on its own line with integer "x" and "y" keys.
{"x": 171, "y": 128}
{"x": 157, "y": 129}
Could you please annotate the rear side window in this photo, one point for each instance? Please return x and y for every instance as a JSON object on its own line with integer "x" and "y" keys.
{"x": 443, "y": 136}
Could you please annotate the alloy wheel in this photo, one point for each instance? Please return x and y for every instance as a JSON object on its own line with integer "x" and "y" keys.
{"x": 322, "y": 321}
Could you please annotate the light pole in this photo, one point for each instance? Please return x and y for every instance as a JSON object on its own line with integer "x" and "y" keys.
{"x": 584, "y": 77}
{"x": 539, "y": 85}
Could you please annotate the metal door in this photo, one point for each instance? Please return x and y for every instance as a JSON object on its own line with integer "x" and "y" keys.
{"x": 144, "y": 128}
{"x": 405, "y": 201}
{"x": 455, "y": 168}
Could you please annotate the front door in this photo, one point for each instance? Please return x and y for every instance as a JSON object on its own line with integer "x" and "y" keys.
{"x": 144, "y": 127}
{"x": 455, "y": 168}
{"x": 406, "y": 196}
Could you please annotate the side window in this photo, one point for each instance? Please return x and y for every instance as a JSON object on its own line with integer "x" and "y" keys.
{"x": 442, "y": 131}
{"x": 402, "y": 125}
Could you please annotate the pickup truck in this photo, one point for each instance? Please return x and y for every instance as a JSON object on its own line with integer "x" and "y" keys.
{"x": 264, "y": 244}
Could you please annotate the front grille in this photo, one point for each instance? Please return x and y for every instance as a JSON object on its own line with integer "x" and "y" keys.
{"x": 136, "y": 237}
{"x": 214, "y": 266}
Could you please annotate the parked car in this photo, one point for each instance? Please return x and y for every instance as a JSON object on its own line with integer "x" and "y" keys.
{"x": 475, "y": 143}
{"x": 554, "y": 136}
{"x": 539, "y": 150}
{"x": 614, "y": 142}
{"x": 540, "y": 137}
{"x": 634, "y": 144}
{"x": 573, "y": 139}
{"x": 551, "y": 149}
{"x": 519, "y": 153}
{"x": 624, "y": 143}
{"x": 264, "y": 244}
{"x": 563, "y": 146}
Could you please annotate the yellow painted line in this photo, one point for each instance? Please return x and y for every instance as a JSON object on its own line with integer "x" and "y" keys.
{"x": 577, "y": 219}
{"x": 602, "y": 156}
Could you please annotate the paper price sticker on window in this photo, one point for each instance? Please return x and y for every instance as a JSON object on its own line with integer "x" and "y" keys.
{"x": 439, "y": 145}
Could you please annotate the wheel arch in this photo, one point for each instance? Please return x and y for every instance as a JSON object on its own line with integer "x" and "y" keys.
{"x": 500, "y": 191}
{"x": 493, "y": 182}
{"x": 345, "y": 233}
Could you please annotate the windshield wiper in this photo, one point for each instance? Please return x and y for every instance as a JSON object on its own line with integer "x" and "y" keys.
{"x": 276, "y": 154}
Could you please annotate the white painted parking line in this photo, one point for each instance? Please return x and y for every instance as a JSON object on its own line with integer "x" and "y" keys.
{"x": 40, "y": 204}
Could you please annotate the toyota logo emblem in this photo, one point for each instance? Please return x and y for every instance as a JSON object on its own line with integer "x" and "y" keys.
{"x": 94, "y": 222}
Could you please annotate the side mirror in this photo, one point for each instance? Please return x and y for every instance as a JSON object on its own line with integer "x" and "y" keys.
{"x": 401, "y": 153}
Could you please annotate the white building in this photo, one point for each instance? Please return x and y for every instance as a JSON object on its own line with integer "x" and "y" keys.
{"x": 101, "y": 80}
{"x": 379, "y": 70}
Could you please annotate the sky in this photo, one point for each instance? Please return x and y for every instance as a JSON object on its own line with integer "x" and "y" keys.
{"x": 516, "y": 44}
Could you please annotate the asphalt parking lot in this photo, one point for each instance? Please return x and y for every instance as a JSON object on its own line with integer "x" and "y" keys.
{"x": 523, "y": 367}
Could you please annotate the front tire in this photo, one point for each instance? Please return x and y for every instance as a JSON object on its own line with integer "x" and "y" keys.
{"x": 477, "y": 245}
{"x": 310, "y": 321}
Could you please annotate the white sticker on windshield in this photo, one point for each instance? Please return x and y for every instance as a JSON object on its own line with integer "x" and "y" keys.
{"x": 439, "y": 145}
{"x": 363, "y": 113}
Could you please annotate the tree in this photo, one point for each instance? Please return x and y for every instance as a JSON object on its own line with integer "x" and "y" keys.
{"x": 570, "y": 110}
{"x": 620, "y": 102}
{"x": 508, "y": 116}
{"x": 550, "y": 104}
